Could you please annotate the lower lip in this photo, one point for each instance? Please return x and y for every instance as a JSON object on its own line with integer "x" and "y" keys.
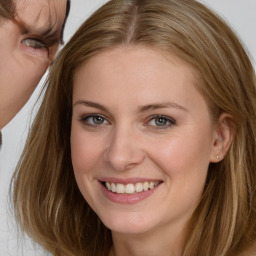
{"x": 127, "y": 198}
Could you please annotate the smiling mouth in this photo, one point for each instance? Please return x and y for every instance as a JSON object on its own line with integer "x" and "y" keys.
{"x": 130, "y": 188}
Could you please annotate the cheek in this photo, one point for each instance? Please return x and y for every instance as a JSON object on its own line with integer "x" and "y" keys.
{"x": 22, "y": 75}
{"x": 184, "y": 166}
{"x": 85, "y": 151}
{"x": 85, "y": 157}
{"x": 18, "y": 80}
{"x": 182, "y": 155}
{"x": 30, "y": 70}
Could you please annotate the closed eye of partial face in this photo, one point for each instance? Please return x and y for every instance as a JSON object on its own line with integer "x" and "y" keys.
{"x": 40, "y": 39}
{"x": 37, "y": 43}
{"x": 33, "y": 43}
{"x": 28, "y": 46}
{"x": 40, "y": 24}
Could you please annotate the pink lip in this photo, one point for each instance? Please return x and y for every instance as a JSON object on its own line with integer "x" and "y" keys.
{"x": 127, "y": 198}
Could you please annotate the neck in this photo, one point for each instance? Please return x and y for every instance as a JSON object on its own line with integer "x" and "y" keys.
{"x": 158, "y": 242}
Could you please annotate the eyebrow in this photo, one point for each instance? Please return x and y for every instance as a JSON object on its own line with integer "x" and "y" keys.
{"x": 161, "y": 105}
{"x": 49, "y": 33}
{"x": 140, "y": 108}
{"x": 91, "y": 104}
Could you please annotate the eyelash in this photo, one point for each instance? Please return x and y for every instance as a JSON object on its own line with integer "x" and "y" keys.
{"x": 168, "y": 122}
{"x": 31, "y": 41}
{"x": 85, "y": 120}
{"x": 38, "y": 44}
{"x": 171, "y": 122}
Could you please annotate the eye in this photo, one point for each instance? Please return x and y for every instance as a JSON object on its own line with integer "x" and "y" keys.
{"x": 94, "y": 120}
{"x": 34, "y": 43}
{"x": 161, "y": 121}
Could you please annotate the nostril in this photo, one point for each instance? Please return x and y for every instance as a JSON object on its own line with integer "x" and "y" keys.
{"x": 124, "y": 158}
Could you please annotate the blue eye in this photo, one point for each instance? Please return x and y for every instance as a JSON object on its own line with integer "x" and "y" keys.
{"x": 94, "y": 120}
{"x": 160, "y": 121}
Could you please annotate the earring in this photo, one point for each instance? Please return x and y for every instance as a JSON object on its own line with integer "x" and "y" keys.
{"x": 217, "y": 157}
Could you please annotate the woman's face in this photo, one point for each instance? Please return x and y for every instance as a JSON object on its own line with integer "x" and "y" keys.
{"x": 141, "y": 139}
{"x": 27, "y": 47}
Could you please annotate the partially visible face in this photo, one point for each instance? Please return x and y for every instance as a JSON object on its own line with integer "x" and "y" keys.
{"x": 141, "y": 139}
{"x": 27, "y": 47}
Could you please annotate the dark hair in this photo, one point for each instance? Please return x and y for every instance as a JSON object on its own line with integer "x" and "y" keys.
{"x": 64, "y": 22}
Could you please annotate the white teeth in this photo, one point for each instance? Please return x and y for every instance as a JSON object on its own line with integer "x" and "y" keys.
{"x": 139, "y": 187}
{"x": 108, "y": 186}
{"x": 113, "y": 187}
{"x": 151, "y": 185}
{"x": 120, "y": 188}
{"x": 130, "y": 188}
{"x": 145, "y": 186}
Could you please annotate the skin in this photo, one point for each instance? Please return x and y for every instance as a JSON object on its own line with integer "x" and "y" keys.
{"x": 27, "y": 47}
{"x": 125, "y": 87}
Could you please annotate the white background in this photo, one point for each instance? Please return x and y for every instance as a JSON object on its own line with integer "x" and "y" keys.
{"x": 240, "y": 15}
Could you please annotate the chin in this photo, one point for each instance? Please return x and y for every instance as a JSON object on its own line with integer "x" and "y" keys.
{"x": 133, "y": 224}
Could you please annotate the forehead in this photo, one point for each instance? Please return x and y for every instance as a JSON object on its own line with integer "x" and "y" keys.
{"x": 138, "y": 61}
{"x": 40, "y": 14}
{"x": 137, "y": 69}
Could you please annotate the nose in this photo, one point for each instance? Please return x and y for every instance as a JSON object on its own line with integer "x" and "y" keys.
{"x": 124, "y": 150}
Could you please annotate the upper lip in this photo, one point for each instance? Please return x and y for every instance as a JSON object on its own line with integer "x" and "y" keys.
{"x": 127, "y": 180}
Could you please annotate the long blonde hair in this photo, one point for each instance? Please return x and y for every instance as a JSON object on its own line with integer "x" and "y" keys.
{"x": 48, "y": 204}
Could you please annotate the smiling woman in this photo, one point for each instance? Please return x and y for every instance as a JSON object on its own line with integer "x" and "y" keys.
{"x": 143, "y": 147}
{"x": 145, "y": 140}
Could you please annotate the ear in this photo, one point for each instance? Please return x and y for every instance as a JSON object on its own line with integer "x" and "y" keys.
{"x": 223, "y": 136}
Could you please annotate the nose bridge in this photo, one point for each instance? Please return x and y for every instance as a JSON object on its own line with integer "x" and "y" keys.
{"x": 124, "y": 149}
